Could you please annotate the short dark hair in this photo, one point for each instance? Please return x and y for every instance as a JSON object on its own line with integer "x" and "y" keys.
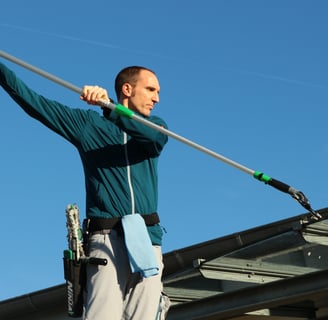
{"x": 128, "y": 75}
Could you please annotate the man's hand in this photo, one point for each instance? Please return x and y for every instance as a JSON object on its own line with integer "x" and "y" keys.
{"x": 94, "y": 95}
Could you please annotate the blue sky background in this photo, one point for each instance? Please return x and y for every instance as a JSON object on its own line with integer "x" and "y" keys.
{"x": 247, "y": 79}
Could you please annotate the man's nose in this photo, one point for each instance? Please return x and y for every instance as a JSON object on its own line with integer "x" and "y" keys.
{"x": 156, "y": 97}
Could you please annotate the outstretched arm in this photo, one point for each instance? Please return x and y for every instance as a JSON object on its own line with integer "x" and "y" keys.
{"x": 62, "y": 119}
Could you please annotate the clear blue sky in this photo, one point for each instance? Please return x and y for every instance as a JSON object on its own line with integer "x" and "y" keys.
{"x": 247, "y": 79}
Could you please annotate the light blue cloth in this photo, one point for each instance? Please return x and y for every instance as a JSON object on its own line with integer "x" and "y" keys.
{"x": 140, "y": 250}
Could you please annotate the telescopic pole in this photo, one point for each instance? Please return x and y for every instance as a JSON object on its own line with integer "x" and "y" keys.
{"x": 123, "y": 111}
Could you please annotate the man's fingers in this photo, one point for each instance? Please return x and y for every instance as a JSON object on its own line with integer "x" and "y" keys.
{"x": 94, "y": 94}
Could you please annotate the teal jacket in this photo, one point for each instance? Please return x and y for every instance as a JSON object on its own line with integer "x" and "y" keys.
{"x": 119, "y": 155}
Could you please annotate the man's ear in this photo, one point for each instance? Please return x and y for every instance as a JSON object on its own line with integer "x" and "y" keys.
{"x": 127, "y": 89}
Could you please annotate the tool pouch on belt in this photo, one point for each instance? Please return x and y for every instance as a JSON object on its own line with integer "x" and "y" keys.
{"x": 74, "y": 268}
{"x": 74, "y": 273}
{"x": 75, "y": 261}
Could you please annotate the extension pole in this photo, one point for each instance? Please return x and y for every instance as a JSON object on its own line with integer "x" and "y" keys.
{"x": 126, "y": 112}
{"x": 123, "y": 111}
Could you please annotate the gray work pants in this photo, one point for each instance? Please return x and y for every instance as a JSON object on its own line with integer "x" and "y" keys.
{"x": 112, "y": 292}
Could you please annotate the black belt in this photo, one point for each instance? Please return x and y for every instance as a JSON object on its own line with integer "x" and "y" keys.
{"x": 98, "y": 224}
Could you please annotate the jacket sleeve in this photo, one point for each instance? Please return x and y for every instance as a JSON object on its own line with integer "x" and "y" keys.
{"x": 149, "y": 137}
{"x": 62, "y": 119}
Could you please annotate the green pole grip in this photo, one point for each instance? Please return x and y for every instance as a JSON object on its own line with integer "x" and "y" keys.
{"x": 261, "y": 176}
{"x": 124, "y": 111}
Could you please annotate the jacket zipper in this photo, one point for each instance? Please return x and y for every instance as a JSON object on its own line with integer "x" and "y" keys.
{"x": 128, "y": 170}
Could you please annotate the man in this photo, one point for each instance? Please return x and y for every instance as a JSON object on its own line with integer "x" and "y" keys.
{"x": 119, "y": 157}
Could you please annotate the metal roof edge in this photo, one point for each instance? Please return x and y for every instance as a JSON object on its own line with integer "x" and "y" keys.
{"x": 54, "y": 298}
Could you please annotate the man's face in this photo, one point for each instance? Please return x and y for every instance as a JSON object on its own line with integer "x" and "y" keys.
{"x": 145, "y": 93}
